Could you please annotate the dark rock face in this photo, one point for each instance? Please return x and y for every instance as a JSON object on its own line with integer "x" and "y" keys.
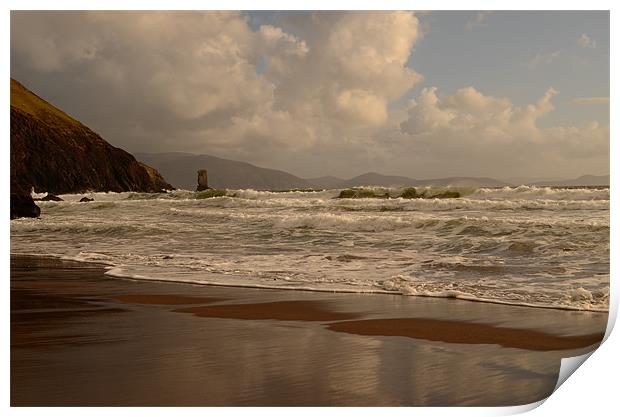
{"x": 86, "y": 199}
{"x": 53, "y": 152}
{"x": 203, "y": 180}
{"x": 22, "y": 205}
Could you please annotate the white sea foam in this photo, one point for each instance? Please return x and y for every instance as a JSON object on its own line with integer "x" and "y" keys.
{"x": 534, "y": 246}
{"x": 548, "y": 193}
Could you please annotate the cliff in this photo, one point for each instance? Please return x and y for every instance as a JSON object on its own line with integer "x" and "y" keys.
{"x": 55, "y": 153}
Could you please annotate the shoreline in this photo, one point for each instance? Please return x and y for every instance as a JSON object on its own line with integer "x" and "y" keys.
{"x": 81, "y": 338}
{"x": 316, "y": 290}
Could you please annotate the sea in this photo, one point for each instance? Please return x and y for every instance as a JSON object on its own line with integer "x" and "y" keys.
{"x": 532, "y": 246}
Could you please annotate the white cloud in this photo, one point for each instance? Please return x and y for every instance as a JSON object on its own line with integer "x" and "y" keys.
{"x": 362, "y": 107}
{"x": 468, "y": 110}
{"x": 494, "y": 131}
{"x": 585, "y": 41}
{"x": 426, "y": 115}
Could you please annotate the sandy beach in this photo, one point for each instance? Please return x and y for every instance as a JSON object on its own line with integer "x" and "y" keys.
{"x": 79, "y": 337}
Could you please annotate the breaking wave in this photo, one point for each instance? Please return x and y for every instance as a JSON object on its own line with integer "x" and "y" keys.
{"x": 533, "y": 246}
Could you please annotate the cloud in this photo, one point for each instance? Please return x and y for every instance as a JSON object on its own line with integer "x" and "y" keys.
{"x": 191, "y": 79}
{"x": 585, "y": 41}
{"x": 468, "y": 110}
{"x": 591, "y": 100}
{"x": 325, "y": 85}
{"x": 478, "y": 20}
{"x": 543, "y": 58}
{"x": 362, "y": 107}
{"x": 494, "y": 132}
{"x": 425, "y": 115}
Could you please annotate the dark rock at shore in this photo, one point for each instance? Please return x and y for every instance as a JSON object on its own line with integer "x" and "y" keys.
{"x": 22, "y": 205}
{"x": 408, "y": 193}
{"x": 210, "y": 193}
{"x": 447, "y": 194}
{"x": 86, "y": 199}
{"x": 55, "y": 153}
{"x": 362, "y": 193}
{"x": 49, "y": 197}
{"x": 203, "y": 180}
{"x": 412, "y": 193}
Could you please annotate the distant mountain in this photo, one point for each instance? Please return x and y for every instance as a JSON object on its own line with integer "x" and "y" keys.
{"x": 181, "y": 170}
{"x": 374, "y": 178}
{"x": 528, "y": 180}
{"x": 462, "y": 182}
{"x": 584, "y": 180}
{"x": 328, "y": 182}
{"x": 55, "y": 153}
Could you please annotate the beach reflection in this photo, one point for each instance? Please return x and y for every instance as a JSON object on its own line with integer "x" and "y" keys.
{"x": 95, "y": 350}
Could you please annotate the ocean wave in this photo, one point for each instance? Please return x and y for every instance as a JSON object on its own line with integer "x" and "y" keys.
{"x": 251, "y": 194}
{"x": 520, "y": 193}
{"x": 526, "y": 245}
{"x": 545, "y": 193}
{"x": 577, "y": 299}
{"x": 463, "y": 225}
{"x": 572, "y": 299}
{"x": 197, "y": 216}
{"x": 309, "y": 203}
{"x": 329, "y": 221}
{"x": 80, "y": 228}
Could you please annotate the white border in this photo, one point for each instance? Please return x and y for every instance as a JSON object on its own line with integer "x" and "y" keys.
{"x": 590, "y": 392}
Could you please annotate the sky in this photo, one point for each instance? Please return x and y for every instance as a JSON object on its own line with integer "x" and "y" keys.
{"x": 425, "y": 94}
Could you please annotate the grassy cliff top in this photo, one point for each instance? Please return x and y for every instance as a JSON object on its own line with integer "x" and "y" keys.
{"x": 28, "y": 102}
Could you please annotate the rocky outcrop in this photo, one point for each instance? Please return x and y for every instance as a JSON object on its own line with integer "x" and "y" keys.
{"x": 362, "y": 193}
{"x": 52, "y": 152}
{"x": 49, "y": 197}
{"x": 203, "y": 180}
{"x": 407, "y": 193}
{"x": 155, "y": 177}
{"x": 22, "y": 205}
{"x": 429, "y": 194}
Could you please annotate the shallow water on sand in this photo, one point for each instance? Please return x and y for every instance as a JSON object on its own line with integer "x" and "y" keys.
{"x": 78, "y": 338}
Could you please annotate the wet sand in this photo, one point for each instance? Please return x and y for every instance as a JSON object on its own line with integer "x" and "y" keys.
{"x": 79, "y": 337}
{"x": 278, "y": 310}
{"x": 470, "y": 333}
{"x": 163, "y": 299}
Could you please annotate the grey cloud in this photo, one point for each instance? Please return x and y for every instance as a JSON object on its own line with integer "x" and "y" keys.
{"x": 321, "y": 102}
